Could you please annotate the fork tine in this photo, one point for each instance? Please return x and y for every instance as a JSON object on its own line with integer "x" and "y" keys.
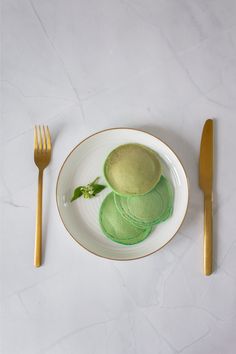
{"x": 35, "y": 138}
{"x": 40, "y": 138}
{"x": 48, "y": 137}
{"x": 44, "y": 138}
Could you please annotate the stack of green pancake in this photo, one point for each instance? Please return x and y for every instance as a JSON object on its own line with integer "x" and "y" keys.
{"x": 141, "y": 196}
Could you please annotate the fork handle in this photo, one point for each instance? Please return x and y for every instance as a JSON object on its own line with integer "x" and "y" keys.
{"x": 38, "y": 229}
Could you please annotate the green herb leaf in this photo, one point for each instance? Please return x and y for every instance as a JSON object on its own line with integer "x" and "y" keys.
{"x": 94, "y": 182}
{"x": 97, "y": 188}
{"x": 88, "y": 191}
{"x": 77, "y": 193}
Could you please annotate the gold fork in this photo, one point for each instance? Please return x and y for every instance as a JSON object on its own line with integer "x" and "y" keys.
{"x": 42, "y": 157}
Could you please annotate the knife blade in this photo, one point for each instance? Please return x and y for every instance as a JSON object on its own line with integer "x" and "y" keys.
{"x": 206, "y": 184}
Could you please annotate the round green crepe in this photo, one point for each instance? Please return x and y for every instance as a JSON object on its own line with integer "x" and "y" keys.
{"x": 149, "y": 209}
{"x": 132, "y": 169}
{"x": 116, "y": 227}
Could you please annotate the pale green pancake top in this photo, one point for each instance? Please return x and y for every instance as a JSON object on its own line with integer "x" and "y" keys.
{"x": 118, "y": 228}
{"x": 132, "y": 169}
{"x": 149, "y": 209}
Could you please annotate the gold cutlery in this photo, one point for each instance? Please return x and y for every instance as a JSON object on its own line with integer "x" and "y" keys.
{"x": 206, "y": 184}
{"x": 42, "y": 157}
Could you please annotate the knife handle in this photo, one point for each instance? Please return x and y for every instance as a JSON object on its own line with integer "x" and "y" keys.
{"x": 207, "y": 254}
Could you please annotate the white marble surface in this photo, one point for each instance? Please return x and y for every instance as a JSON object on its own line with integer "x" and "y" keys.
{"x": 81, "y": 66}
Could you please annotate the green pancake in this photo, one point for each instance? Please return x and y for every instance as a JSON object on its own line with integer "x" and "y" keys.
{"x": 116, "y": 227}
{"x": 149, "y": 209}
{"x": 132, "y": 169}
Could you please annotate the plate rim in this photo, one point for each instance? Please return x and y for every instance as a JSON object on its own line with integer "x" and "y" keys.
{"x": 99, "y": 132}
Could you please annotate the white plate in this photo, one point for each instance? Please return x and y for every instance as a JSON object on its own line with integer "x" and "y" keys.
{"x": 85, "y": 163}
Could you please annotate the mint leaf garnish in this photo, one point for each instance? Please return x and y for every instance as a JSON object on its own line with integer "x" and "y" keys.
{"x": 89, "y": 191}
{"x": 97, "y": 188}
{"x": 77, "y": 193}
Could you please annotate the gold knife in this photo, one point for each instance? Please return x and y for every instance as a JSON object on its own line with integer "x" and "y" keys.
{"x": 206, "y": 184}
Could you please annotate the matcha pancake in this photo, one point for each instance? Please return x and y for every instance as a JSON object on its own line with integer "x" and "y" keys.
{"x": 116, "y": 227}
{"x": 132, "y": 169}
{"x": 149, "y": 209}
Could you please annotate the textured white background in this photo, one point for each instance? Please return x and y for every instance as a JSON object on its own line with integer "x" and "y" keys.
{"x": 85, "y": 65}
